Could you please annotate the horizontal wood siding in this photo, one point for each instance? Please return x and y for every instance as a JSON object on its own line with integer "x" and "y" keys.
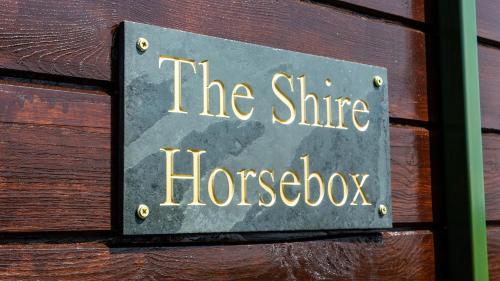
{"x": 412, "y": 9}
{"x": 386, "y": 256}
{"x": 75, "y": 39}
{"x": 58, "y": 118}
{"x": 489, "y": 67}
{"x": 56, "y": 158}
{"x": 488, "y": 22}
{"x": 491, "y": 156}
{"x": 489, "y": 75}
{"x": 494, "y": 252}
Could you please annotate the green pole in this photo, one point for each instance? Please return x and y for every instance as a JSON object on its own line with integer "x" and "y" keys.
{"x": 466, "y": 248}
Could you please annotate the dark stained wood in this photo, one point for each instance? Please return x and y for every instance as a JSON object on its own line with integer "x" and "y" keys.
{"x": 55, "y": 160}
{"x": 411, "y": 174}
{"x": 34, "y": 104}
{"x": 494, "y": 252}
{"x": 412, "y": 9}
{"x": 489, "y": 73}
{"x": 56, "y": 149}
{"x": 388, "y": 256}
{"x": 54, "y": 178}
{"x": 488, "y": 22}
{"x": 491, "y": 159}
{"x": 55, "y": 157}
{"x": 75, "y": 39}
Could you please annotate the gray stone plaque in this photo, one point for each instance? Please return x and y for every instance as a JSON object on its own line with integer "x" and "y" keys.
{"x": 226, "y": 136}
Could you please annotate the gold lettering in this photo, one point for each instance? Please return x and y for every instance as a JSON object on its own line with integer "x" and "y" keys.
{"x": 206, "y": 91}
{"x": 303, "y": 99}
{"x": 249, "y": 95}
{"x": 267, "y": 187}
{"x": 284, "y": 183}
{"x": 341, "y": 102}
{"x": 329, "y": 121}
{"x": 307, "y": 179}
{"x": 331, "y": 193}
{"x": 177, "y": 107}
{"x": 170, "y": 176}
{"x": 230, "y": 187}
{"x": 283, "y": 98}
{"x": 359, "y": 191}
{"x": 355, "y": 110}
{"x": 244, "y": 174}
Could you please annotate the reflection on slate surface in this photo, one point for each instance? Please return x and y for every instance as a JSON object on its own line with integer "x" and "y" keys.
{"x": 144, "y": 94}
{"x": 221, "y": 139}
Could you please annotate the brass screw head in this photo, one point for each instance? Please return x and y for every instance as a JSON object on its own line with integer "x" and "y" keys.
{"x": 378, "y": 81}
{"x": 142, "y": 44}
{"x": 382, "y": 210}
{"x": 143, "y": 211}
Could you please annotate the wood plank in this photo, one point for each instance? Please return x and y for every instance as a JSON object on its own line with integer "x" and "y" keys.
{"x": 489, "y": 71}
{"x": 55, "y": 160}
{"x": 54, "y": 178}
{"x": 75, "y": 39}
{"x": 494, "y": 252}
{"x": 411, "y": 174}
{"x": 491, "y": 159}
{"x": 55, "y": 157}
{"x": 386, "y": 256}
{"x": 49, "y": 105}
{"x": 413, "y": 9}
{"x": 488, "y": 22}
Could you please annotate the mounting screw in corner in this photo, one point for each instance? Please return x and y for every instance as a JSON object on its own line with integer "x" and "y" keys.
{"x": 142, "y": 44}
{"x": 142, "y": 211}
{"x": 378, "y": 81}
{"x": 382, "y": 210}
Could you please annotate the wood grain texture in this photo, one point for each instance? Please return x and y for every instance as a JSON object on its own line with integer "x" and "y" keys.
{"x": 55, "y": 157}
{"x": 75, "y": 39}
{"x": 411, "y": 174}
{"x": 388, "y": 256}
{"x": 55, "y": 160}
{"x": 491, "y": 159}
{"x": 412, "y": 9}
{"x": 489, "y": 73}
{"x": 494, "y": 252}
{"x": 488, "y": 22}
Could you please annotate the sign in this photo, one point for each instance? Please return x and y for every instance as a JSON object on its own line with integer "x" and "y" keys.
{"x": 226, "y": 136}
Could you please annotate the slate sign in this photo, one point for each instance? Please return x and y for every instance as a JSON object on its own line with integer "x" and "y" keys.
{"x": 226, "y": 136}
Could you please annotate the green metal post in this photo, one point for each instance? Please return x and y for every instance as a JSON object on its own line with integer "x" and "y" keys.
{"x": 466, "y": 252}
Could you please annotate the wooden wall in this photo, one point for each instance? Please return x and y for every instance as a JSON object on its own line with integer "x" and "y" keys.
{"x": 489, "y": 73}
{"x": 58, "y": 152}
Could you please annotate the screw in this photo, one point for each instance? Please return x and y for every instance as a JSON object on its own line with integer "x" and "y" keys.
{"x": 378, "y": 81}
{"x": 328, "y": 82}
{"x": 142, "y": 44}
{"x": 143, "y": 211}
{"x": 382, "y": 210}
